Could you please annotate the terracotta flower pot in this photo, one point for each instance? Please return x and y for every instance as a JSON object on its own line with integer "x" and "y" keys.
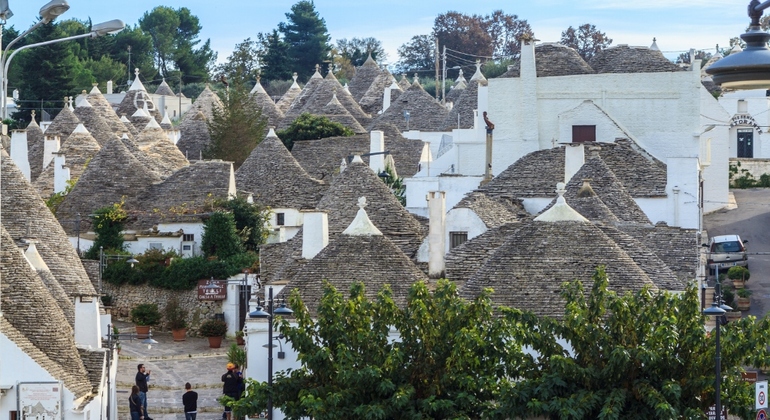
{"x": 179, "y": 335}
{"x": 142, "y": 331}
{"x": 240, "y": 340}
{"x": 215, "y": 342}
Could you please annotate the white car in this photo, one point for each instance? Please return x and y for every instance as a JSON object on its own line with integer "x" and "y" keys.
{"x": 727, "y": 251}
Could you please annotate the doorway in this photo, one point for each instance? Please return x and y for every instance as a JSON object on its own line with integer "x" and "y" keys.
{"x": 745, "y": 142}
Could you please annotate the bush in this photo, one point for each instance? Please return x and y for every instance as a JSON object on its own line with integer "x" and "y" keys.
{"x": 176, "y": 315}
{"x": 213, "y": 328}
{"x": 738, "y": 273}
{"x": 236, "y": 355}
{"x": 312, "y": 127}
{"x": 220, "y": 237}
{"x": 120, "y": 272}
{"x": 145, "y": 314}
{"x": 744, "y": 293}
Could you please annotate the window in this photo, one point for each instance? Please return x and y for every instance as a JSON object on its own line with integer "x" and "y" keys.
{"x": 457, "y": 239}
{"x": 186, "y": 247}
{"x": 156, "y": 245}
{"x": 280, "y": 219}
{"x": 188, "y": 237}
{"x": 583, "y": 133}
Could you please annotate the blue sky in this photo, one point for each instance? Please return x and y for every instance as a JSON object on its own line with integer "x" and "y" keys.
{"x": 677, "y": 24}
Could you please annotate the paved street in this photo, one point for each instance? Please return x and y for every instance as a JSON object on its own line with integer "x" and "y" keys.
{"x": 751, "y": 221}
{"x": 172, "y": 364}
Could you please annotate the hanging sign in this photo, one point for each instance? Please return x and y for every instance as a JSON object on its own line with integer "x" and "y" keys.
{"x": 212, "y": 289}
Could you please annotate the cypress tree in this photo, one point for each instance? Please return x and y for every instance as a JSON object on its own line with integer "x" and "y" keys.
{"x": 308, "y": 38}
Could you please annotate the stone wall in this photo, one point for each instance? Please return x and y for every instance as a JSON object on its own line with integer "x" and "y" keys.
{"x": 756, "y": 167}
{"x": 126, "y": 297}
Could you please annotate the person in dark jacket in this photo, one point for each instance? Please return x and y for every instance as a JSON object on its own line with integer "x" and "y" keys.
{"x": 142, "y": 377}
{"x": 232, "y": 386}
{"x": 135, "y": 404}
{"x": 190, "y": 402}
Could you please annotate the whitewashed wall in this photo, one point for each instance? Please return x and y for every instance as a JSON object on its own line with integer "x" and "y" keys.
{"x": 463, "y": 220}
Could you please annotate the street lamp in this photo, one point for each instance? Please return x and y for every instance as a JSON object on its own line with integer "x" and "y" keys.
{"x": 103, "y": 258}
{"x": 750, "y": 68}
{"x": 53, "y": 7}
{"x": 269, "y": 315}
{"x": 718, "y": 310}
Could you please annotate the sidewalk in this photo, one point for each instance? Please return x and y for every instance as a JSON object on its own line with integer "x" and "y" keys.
{"x": 171, "y": 365}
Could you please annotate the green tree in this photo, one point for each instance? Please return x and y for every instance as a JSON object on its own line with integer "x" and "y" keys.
{"x": 308, "y": 38}
{"x": 250, "y": 221}
{"x": 641, "y": 355}
{"x": 586, "y": 40}
{"x": 9, "y": 34}
{"x": 137, "y": 43}
{"x": 220, "y": 237}
{"x": 309, "y": 127}
{"x": 107, "y": 222}
{"x": 238, "y": 127}
{"x": 243, "y": 62}
{"x": 417, "y": 55}
{"x": 276, "y": 64}
{"x": 446, "y": 364}
{"x": 357, "y": 50}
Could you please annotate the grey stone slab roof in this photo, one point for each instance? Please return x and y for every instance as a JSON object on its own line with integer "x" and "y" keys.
{"x": 129, "y": 126}
{"x": 164, "y": 89}
{"x": 641, "y": 174}
{"x": 677, "y": 247}
{"x": 29, "y": 309}
{"x": 25, "y": 215}
{"x": 553, "y": 60}
{"x": 625, "y": 59}
{"x": 404, "y": 83}
{"x": 424, "y": 112}
{"x": 95, "y": 362}
{"x": 113, "y": 173}
{"x": 35, "y": 149}
{"x": 454, "y": 94}
{"x": 657, "y": 270}
{"x": 286, "y": 100}
{"x": 338, "y": 113}
{"x": 78, "y": 151}
{"x": 363, "y": 78}
{"x": 527, "y": 271}
{"x": 205, "y": 103}
{"x": 63, "y": 124}
{"x": 267, "y": 105}
{"x": 139, "y": 122}
{"x": 59, "y": 295}
{"x": 297, "y": 105}
{"x": 465, "y": 107}
{"x": 491, "y": 212}
{"x": 127, "y": 107}
{"x": 103, "y": 108}
{"x": 321, "y": 158}
{"x": 167, "y": 153}
{"x": 371, "y": 102}
{"x": 384, "y": 210}
{"x": 467, "y": 258}
{"x": 373, "y": 260}
{"x": 534, "y": 175}
{"x": 194, "y": 137}
{"x": 190, "y": 190}
{"x": 276, "y": 179}
{"x": 323, "y": 94}
{"x": 281, "y": 262}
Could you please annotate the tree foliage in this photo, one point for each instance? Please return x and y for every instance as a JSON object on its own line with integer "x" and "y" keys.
{"x": 586, "y": 40}
{"x": 419, "y": 54}
{"x": 310, "y": 127}
{"x": 640, "y": 355}
{"x": 307, "y": 37}
{"x": 356, "y": 50}
{"x": 236, "y": 128}
{"x": 276, "y": 64}
{"x": 107, "y": 222}
{"x": 243, "y": 63}
{"x": 250, "y": 221}
{"x": 220, "y": 236}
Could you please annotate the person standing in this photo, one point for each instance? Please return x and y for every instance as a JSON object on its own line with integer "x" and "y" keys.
{"x": 142, "y": 377}
{"x": 190, "y": 402}
{"x": 232, "y": 386}
{"x": 135, "y": 404}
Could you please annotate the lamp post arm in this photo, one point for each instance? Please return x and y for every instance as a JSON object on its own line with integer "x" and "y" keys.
{"x": 755, "y": 10}
{"x": 32, "y": 28}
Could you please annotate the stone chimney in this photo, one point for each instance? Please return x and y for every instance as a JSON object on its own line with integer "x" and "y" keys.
{"x": 574, "y": 158}
{"x": 527, "y": 68}
{"x": 109, "y": 87}
{"x": 61, "y": 173}
{"x": 377, "y": 145}
{"x": 387, "y": 94}
{"x": 315, "y": 232}
{"x": 436, "y": 235}
{"x": 51, "y": 145}
{"x": 19, "y": 152}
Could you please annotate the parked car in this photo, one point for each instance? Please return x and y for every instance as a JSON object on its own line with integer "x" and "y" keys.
{"x": 727, "y": 251}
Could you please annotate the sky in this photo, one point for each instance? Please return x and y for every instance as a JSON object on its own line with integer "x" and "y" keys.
{"x": 678, "y": 25}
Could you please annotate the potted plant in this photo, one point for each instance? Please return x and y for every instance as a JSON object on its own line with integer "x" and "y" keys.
{"x": 214, "y": 329}
{"x": 744, "y": 299}
{"x": 145, "y": 315}
{"x": 739, "y": 276}
{"x": 239, "y": 338}
{"x": 236, "y": 356}
{"x": 176, "y": 319}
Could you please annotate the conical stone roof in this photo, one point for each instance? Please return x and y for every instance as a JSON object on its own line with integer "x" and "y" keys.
{"x": 465, "y": 107}
{"x": 321, "y": 158}
{"x": 266, "y": 104}
{"x": 129, "y": 126}
{"x": 371, "y": 101}
{"x": 323, "y": 94}
{"x": 297, "y": 106}
{"x": 288, "y": 98}
{"x": 404, "y": 83}
{"x": 99, "y": 186}
{"x": 135, "y": 100}
{"x": 275, "y": 178}
{"x": 78, "y": 151}
{"x": 194, "y": 136}
{"x": 63, "y": 124}
{"x": 337, "y": 113}
{"x": 93, "y": 121}
{"x": 32, "y": 320}
{"x": 35, "y": 148}
{"x": 584, "y": 200}
{"x": 363, "y": 78}
{"x": 25, "y": 215}
{"x": 385, "y": 211}
{"x": 625, "y": 59}
{"x": 552, "y": 59}
{"x": 519, "y": 283}
{"x": 424, "y": 112}
{"x": 205, "y": 103}
{"x": 103, "y": 108}
{"x": 164, "y": 89}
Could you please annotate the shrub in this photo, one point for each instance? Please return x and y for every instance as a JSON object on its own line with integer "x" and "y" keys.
{"x": 120, "y": 272}
{"x": 213, "y": 328}
{"x": 311, "y": 127}
{"x": 236, "y": 355}
{"x": 108, "y": 226}
{"x": 744, "y": 293}
{"x": 176, "y": 315}
{"x": 220, "y": 237}
{"x": 145, "y": 314}
{"x": 738, "y": 273}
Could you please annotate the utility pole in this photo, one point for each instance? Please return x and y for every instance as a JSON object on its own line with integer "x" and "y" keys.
{"x": 435, "y": 40}
{"x": 180, "y": 96}
{"x": 129, "y": 66}
{"x": 443, "y": 79}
